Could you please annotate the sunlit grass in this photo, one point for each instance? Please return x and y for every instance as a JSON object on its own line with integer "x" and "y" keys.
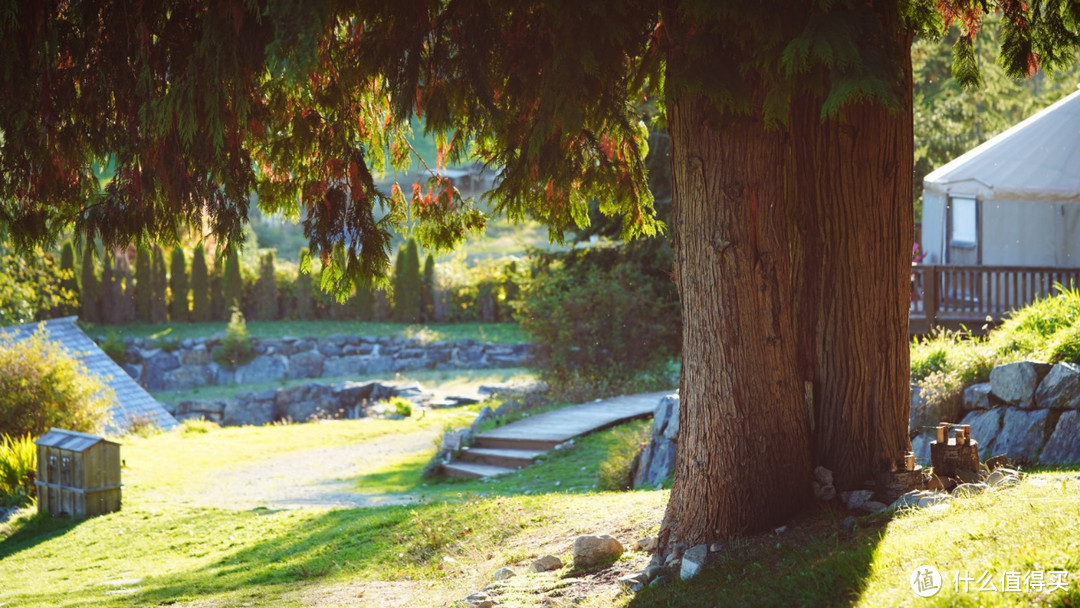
{"x": 503, "y": 333}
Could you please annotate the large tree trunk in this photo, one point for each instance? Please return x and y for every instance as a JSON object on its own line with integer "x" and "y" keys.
{"x": 744, "y": 446}
{"x": 855, "y": 232}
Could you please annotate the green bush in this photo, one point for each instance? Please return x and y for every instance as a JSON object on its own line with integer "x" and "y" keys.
{"x": 115, "y": 347}
{"x": 266, "y": 293}
{"x": 90, "y": 295}
{"x": 599, "y": 318}
{"x": 232, "y": 283}
{"x": 402, "y": 406}
{"x": 144, "y": 288}
{"x": 235, "y": 349}
{"x": 32, "y": 286}
{"x": 18, "y": 460}
{"x": 42, "y": 386}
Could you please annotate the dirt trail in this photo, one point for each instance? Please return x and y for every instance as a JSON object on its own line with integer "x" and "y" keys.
{"x": 320, "y": 478}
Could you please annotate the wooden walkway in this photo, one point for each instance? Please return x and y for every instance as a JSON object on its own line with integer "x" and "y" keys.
{"x": 508, "y": 448}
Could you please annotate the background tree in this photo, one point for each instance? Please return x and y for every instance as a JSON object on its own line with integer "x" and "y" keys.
{"x": 427, "y": 290}
{"x": 68, "y": 282}
{"x": 89, "y": 302}
{"x": 305, "y": 308}
{"x": 407, "y": 296}
{"x": 31, "y": 286}
{"x": 124, "y": 286}
{"x": 110, "y": 293}
{"x": 143, "y": 284}
{"x": 178, "y": 286}
{"x": 159, "y": 281}
{"x": 400, "y": 292}
{"x": 233, "y": 283}
{"x": 200, "y": 286}
{"x": 266, "y": 293}
{"x": 219, "y": 312}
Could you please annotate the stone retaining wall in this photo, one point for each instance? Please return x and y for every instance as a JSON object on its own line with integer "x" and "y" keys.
{"x": 1028, "y": 410}
{"x": 190, "y": 363}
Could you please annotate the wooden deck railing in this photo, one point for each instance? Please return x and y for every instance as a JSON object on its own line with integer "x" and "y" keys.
{"x": 951, "y": 296}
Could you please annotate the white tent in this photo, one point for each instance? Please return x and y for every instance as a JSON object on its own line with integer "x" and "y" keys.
{"x": 1012, "y": 201}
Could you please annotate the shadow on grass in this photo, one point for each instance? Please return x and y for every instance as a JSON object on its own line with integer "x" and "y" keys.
{"x": 38, "y": 529}
{"x": 813, "y": 563}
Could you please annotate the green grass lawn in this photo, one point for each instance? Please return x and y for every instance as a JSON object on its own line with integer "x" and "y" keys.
{"x": 503, "y": 333}
{"x": 158, "y": 551}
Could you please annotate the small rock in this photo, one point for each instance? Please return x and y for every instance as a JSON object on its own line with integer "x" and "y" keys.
{"x": 546, "y": 563}
{"x": 935, "y": 484}
{"x": 590, "y": 551}
{"x": 969, "y": 489}
{"x": 849, "y": 524}
{"x": 646, "y": 544}
{"x": 631, "y": 580}
{"x": 1001, "y": 478}
{"x": 873, "y": 506}
{"x": 1001, "y": 460}
{"x": 693, "y": 561}
{"x": 823, "y": 484}
{"x": 716, "y": 548}
{"x": 479, "y": 600}
{"x": 967, "y": 476}
{"x": 504, "y": 573}
{"x": 780, "y": 530}
{"x": 911, "y": 499}
{"x": 933, "y": 499}
{"x": 855, "y": 499}
{"x": 653, "y": 571}
{"x": 823, "y": 476}
{"x": 656, "y": 582}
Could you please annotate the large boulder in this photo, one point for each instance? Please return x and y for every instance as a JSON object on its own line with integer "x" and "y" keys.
{"x": 308, "y": 364}
{"x": 239, "y": 412}
{"x": 591, "y": 551}
{"x": 978, "y": 397}
{"x": 985, "y": 426}
{"x": 186, "y": 378}
{"x": 657, "y": 460}
{"x": 155, "y": 368}
{"x": 1015, "y": 383}
{"x": 264, "y": 368}
{"x": 337, "y": 367}
{"x": 1022, "y": 435}
{"x": 1060, "y": 389}
{"x": 920, "y": 446}
{"x": 198, "y": 355}
{"x": 1063, "y": 447}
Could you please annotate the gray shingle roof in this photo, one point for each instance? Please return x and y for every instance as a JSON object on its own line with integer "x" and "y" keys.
{"x": 133, "y": 404}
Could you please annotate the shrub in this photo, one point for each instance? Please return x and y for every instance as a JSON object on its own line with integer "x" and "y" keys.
{"x": 31, "y": 286}
{"x": 18, "y": 460}
{"x": 402, "y": 406}
{"x": 305, "y": 306}
{"x": 427, "y": 290}
{"x": 235, "y": 349}
{"x": 198, "y": 426}
{"x": 599, "y": 318}
{"x": 178, "y": 285}
{"x": 115, "y": 347}
{"x": 200, "y": 286}
{"x": 68, "y": 283}
{"x": 42, "y": 386}
{"x": 233, "y": 285}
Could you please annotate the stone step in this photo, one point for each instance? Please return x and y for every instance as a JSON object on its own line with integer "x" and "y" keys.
{"x": 514, "y": 443}
{"x": 515, "y": 459}
{"x": 474, "y": 470}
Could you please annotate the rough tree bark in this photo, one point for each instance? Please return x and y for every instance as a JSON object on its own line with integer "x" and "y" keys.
{"x": 744, "y": 445}
{"x": 855, "y": 230}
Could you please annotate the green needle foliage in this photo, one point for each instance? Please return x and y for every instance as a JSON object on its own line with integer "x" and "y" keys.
{"x": 305, "y": 305}
{"x": 427, "y": 290}
{"x": 233, "y": 284}
{"x": 266, "y": 295}
{"x": 68, "y": 282}
{"x": 200, "y": 286}
{"x": 178, "y": 286}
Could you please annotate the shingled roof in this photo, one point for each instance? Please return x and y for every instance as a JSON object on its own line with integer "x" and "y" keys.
{"x": 133, "y": 404}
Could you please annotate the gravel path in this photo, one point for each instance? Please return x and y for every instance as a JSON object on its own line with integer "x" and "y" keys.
{"x": 320, "y": 478}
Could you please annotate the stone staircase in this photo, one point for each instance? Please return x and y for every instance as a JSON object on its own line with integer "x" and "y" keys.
{"x": 516, "y": 445}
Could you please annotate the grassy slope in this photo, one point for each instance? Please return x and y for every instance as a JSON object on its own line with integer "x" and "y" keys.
{"x": 505, "y": 333}
{"x": 160, "y": 551}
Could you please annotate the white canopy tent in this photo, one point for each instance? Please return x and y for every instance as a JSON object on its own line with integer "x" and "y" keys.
{"x": 1012, "y": 201}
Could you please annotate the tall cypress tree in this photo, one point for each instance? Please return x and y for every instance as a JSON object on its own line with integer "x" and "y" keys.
{"x": 266, "y": 304}
{"x": 427, "y": 290}
{"x": 109, "y": 302}
{"x": 89, "y": 301}
{"x": 305, "y": 307}
{"x": 218, "y": 310}
{"x": 158, "y": 282}
{"x": 410, "y": 301}
{"x": 143, "y": 284}
{"x": 233, "y": 287}
{"x": 399, "y": 285}
{"x": 178, "y": 285}
{"x": 200, "y": 286}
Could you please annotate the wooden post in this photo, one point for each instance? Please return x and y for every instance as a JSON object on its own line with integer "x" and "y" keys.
{"x": 930, "y": 295}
